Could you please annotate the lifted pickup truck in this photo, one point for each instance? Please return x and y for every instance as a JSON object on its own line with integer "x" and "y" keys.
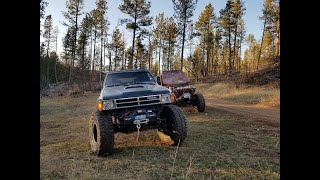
{"x": 131, "y": 101}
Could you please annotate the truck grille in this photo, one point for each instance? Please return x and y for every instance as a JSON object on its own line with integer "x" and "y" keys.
{"x": 137, "y": 101}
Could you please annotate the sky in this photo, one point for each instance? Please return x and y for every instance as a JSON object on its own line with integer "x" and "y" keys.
{"x": 251, "y": 18}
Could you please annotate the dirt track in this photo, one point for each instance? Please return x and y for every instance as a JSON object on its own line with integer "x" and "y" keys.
{"x": 266, "y": 113}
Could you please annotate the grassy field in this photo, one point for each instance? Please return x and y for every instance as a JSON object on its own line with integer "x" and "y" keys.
{"x": 219, "y": 145}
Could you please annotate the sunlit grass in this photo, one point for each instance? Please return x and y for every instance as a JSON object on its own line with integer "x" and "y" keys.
{"x": 262, "y": 96}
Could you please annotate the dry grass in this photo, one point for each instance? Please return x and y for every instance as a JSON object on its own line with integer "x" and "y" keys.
{"x": 261, "y": 96}
{"x": 219, "y": 145}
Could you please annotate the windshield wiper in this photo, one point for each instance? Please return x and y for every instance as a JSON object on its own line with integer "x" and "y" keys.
{"x": 114, "y": 85}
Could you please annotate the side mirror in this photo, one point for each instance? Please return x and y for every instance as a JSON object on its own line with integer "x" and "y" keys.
{"x": 158, "y": 80}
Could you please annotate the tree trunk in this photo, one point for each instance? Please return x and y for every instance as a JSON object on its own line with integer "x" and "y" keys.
{"x": 122, "y": 53}
{"x": 240, "y": 55}
{"x": 229, "y": 58}
{"x": 125, "y": 60}
{"x": 168, "y": 65}
{"x": 235, "y": 44}
{"x": 48, "y": 66}
{"x": 213, "y": 58}
{"x": 203, "y": 69}
{"x": 94, "y": 51}
{"x": 48, "y": 62}
{"x": 75, "y": 33}
{"x": 156, "y": 59}
{"x": 116, "y": 59}
{"x": 183, "y": 38}
{"x": 101, "y": 57}
{"x": 159, "y": 57}
{"x": 75, "y": 41}
{"x": 82, "y": 56}
{"x": 110, "y": 65}
{"x": 278, "y": 37}
{"x": 208, "y": 56}
{"x": 149, "y": 51}
{"x": 104, "y": 55}
{"x": 122, "y": 59}
{"x": 172, "y": 54}
{"x": 215, "y": 61}
{"x": 55, "y": 71}
{"x": 264, "y": 26}
{"x": 91, "y": 49}
{"x": 55, "y": 64}
{"x": 133, "y": 39}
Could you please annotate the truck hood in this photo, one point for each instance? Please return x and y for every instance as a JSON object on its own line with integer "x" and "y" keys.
{"x": 136, "y": 90}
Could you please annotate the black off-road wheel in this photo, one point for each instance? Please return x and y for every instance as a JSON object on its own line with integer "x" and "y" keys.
{"x": 175, "y": 128}
{"x": 101, "y": 133}
{"x": 200, "y": 103}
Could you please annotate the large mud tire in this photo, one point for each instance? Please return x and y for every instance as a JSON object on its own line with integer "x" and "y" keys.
{"x": 101, "y": 133}
{"x": 177, "y": 126}
{"x": 200, "y": 102}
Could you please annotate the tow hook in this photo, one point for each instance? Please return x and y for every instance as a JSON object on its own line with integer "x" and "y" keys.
{"x": 138, "y": 124}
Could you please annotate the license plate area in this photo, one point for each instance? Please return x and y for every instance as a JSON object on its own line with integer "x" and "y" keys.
{"x": 139, "y": 117}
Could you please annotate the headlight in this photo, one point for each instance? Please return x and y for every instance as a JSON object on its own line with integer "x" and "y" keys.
{"x": 109, "y": 104}
{"x": 165, "y": 98}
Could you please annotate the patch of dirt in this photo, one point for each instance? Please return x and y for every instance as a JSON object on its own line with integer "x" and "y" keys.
{"x": 253, "y": 111}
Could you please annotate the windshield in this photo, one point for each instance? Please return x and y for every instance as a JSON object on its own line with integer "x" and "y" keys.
{"x": 174, "y": 78}
{"x": 129, "y": 78}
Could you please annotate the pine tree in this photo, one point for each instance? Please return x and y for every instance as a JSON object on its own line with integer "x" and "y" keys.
{"x": 74, "y": 8}
{"x": 238, "y": 10}
{"x": 159, "y": 33}
{"x": 86, "y": 26}
{"x": 101, "y": 7}
{"x": 183, "y": 13}
{"x": 48, "y": 35}
{"x": 252, "y": 53}
{"x": 55, "y": 35}
{"x": 242, "y": 34}
{"x": 43, "y": 5}
{"x": 170, "y": 39}
{"x": 205, "y": 25}
{"x": 269, "y": 15}
{"x": 227, "y": 23}
{"x": 140, "y": 53}
{"x": 150, "y": 49}
{"x": 217, "y": 48}
{"x": 277, "y": 12}
{"x": 138, "y": 10}
{"x": 225, "y": 53}
{"x": 116, "y": 45}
